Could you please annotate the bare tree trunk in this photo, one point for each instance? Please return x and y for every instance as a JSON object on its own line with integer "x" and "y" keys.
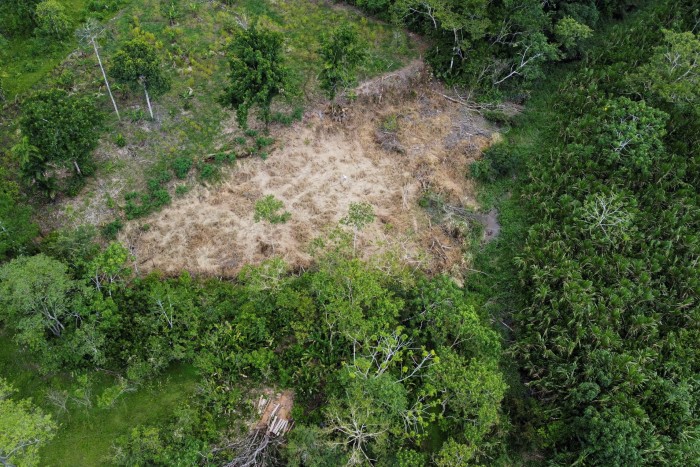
{"x": 148, "y": 100}
{"x": 109, "y": 89}
{"x": 77, "y": 167}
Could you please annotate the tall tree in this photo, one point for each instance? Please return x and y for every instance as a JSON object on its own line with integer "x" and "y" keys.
{"x": 52, "y": 21}
{"x": 341, "y": 53}
{"x": 17, "y": 17}
{"x": 51, "y": 314}
{"x": 673, "y": 72}
{"x": 37, "y": 297}
{"x": 88, "y": 34}
{"x": 23, "y": 429}
{"x": 61, "y": 132}
{"x": 137, "y": 64}
{"x": 257, "y": 72}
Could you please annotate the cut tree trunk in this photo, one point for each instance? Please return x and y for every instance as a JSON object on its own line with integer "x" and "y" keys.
{"x": 104, "y": 75}
{"x": 148, "y": 100}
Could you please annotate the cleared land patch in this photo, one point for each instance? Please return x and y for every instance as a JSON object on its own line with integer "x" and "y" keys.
{"x": 319, "y": 167}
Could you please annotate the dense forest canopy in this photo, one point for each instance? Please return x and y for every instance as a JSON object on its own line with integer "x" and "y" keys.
{"x": 571, "y": 340}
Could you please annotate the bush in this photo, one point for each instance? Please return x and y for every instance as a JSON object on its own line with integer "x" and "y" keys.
{"x": 142, "y": 204}
{"x": 103, "y": 7}
{"x": 268, "y": 208}
{"x": 51, "y": 19}
{"x": 181, "y": 190}
{"x": 162, "y": 176}
{"x": 499, "y": 117}
{"x": 110, "y": 230}
{"x": 390, "y": 124}
{"x": 262, "y": 141}
{"x": 181, "y": 166}
{"x": 208, "y": 171}
{"x": 160, "y": 198}
{"x": 223, "y": 157}
{"x": 75, "y": 184}
{"x": 481, "y": 170}
{"x": 502, "y": 159}
{"x": 285, "y": 119}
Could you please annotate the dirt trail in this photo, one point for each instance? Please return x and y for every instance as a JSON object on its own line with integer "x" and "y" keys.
{"x": 398, "y": 139}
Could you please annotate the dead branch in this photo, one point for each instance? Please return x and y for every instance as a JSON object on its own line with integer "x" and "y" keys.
{"x": 258, "y": 449}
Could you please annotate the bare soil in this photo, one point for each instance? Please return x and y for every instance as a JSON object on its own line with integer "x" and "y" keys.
{"x": 333, "y": 157}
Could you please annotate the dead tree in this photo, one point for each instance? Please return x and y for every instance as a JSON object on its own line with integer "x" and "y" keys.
{"x": 88, "y": 34}
{"x": 258, "y": 449}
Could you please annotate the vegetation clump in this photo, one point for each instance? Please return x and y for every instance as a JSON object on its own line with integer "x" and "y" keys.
{"x": 257, "y": 74}
{"x": 268, "y": 208}
{"x": 341, "y": 53}
{"x": 59, "y": 132}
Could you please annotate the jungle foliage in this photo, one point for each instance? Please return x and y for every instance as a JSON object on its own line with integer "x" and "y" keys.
{"x": 405, "y": 357}
{"x": 494, "y": 45}
{"x": 608, "y": 331}
{"x": 580, "y": 347}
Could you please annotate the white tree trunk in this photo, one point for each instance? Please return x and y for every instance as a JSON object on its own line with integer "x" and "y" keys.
{"x": 104, "y": 75}
{"x": 148, "y": 100}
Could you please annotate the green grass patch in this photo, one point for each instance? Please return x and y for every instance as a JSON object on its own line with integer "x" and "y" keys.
{"x": 26, "y": 60}
{"x": 86, "y": 436}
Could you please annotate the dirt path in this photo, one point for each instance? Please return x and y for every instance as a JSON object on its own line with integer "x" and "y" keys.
{"x": 400, "y": 138}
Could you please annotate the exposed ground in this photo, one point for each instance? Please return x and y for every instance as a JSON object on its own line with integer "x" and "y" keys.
{"x": 274, "y": 406}
{"x": 399, "y": 138}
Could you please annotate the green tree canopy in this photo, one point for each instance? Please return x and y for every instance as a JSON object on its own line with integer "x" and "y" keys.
{"x": 257, "y": 74}
{"x": 137, "y": 64}
{"x": 17, "y": 17}
{"x": 61, "y": 131}
{"x": 673, "y": 73}
{"x": 341, "y": 52}
{"x": 51, "y": 19}
{"x": 17, "y": 229}
{"x": 23, "y": 429}
{"x": 51, "y": 314}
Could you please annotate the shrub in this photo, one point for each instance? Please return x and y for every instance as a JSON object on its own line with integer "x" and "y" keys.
{"x": 223, "y": 157}
{"x": 268, "y": 208}
{"x": 160, "y": 198}
{"x": 498, "y": 116}
{"x": 390, "y": 124}
{"x": 481, "y": 170}
{"x": 51, "y": 19}
{"x": 119, "y": 140}
{"x": 208, "y": 171}
{"x": 288, "y": 119}
{"x": 502, "y": 159}
{"x": 181, "y": 190}
{"x": 181, "y": 166}
{"x": 103, "y": 7}
{"x": 262, "y": 141}
{"x": 110, "y": 230}
{"x": 73, "y": 185}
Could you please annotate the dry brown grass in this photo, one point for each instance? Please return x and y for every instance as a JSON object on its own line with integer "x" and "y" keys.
{"x": 319, "y": 167}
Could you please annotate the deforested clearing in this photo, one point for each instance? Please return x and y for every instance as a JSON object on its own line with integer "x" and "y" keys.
{"x": 399, "y": 139}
